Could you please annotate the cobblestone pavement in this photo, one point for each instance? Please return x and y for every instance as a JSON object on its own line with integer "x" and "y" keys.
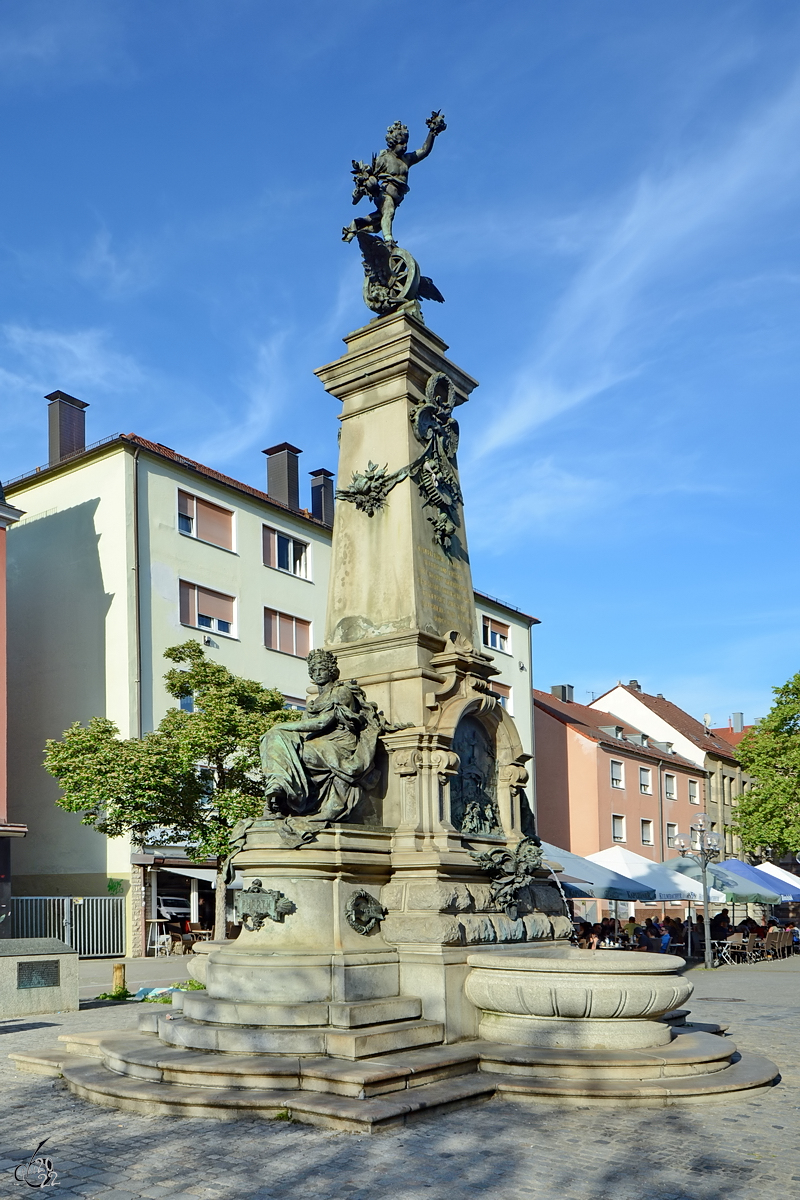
{"x": 738, "y": 1150}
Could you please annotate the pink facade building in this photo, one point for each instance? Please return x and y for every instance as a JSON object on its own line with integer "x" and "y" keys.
{"x": 601, "y": 782}
{"x": 8, "y": 830}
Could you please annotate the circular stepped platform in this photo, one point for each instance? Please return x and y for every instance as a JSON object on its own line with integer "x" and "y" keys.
{"x": 137, "y": 1072}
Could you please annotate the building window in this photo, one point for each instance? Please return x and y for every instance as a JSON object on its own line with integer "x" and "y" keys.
{"x": 204, "y": 521}
{"x": 670, "y": 787}
{"x": 294, "y": 702}
{"x": 694, "y": 792}
{"x": 647, "y": 832}
{"x": 187, "y": 703}
{"x": 694, "y": 839}
{"x": 618, "y": 828}
{"x": 285, "y": 553}
{"x": 205, "y": 609}
{"x": 645, "y": 780}
{"x": 495, "y": 635}
{"x": 502, "y": 694}
{"x": 617, "y": 776}
{"x": 672, "y": 833}
{"x": 290, "y": 635}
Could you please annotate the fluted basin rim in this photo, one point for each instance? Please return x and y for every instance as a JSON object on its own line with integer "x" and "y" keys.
{"x": 572, "y": 961}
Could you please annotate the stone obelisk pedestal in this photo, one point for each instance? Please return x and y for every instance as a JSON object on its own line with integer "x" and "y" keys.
{"x": 401, "y": 619}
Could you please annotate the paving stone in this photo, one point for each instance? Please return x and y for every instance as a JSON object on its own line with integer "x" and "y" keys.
{"x": 737, "y": 1150}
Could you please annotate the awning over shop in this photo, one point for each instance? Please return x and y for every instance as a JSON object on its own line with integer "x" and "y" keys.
{"x": 202, "y": 873}
{"x": 596, "y": 882}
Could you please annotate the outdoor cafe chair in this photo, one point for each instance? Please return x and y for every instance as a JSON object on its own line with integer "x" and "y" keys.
{"x": 731, "y": 948}
{"x": 769, "y": 945}
{"x": 751, "y": 952}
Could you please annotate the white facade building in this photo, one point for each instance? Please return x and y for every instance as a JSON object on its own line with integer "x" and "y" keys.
{"x": 128, "y": 548}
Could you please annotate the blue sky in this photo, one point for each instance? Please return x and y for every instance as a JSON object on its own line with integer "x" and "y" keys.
{"x": 612, "y": 216}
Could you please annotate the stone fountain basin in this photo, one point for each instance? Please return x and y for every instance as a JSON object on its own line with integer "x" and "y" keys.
{"x": 562, "y": 996}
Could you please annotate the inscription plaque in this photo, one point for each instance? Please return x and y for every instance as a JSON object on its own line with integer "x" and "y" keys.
{"x": 39, "y": 974}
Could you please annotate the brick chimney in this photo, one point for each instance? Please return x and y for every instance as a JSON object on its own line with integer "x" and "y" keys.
{"x": 283, "y": 482}
{"x": 322, "y": 495}
{"x": 66, "y": 426}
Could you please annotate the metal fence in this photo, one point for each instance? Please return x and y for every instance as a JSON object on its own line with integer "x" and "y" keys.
{"x": 92, "y": 925}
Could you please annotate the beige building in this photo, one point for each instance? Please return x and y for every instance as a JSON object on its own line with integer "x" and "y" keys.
{"x": 127, "y": 548}
{"x": 714, "y": 755}
{"x": 603, "y": 782}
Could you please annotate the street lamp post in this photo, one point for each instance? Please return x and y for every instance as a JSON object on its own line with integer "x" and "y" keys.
{"x": 707, "y": 849}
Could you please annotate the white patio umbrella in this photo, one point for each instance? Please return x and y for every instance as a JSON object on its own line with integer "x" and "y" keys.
{"x": 668, "y": 884}
{"x": 787, "y": 877}
{"x": 737, "y": 890}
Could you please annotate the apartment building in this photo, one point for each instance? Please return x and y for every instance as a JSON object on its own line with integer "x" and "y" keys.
{"x": 712, "y": 753}
{"x": 128, "y": 547}
{"x": 8, "y": 517}
{"x": 601, "y": 781}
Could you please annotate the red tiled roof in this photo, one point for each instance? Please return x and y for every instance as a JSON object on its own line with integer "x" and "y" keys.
{"x": 729, "y": 735}
{"x": 588, "y": 721}
{"x": 705, "y": 739}
{"x": 173, "y": 456}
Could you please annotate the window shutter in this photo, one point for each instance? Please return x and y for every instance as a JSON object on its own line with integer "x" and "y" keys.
{"x": 302, "y": 637}
{"x": 270, "y": 552}
{"x": 188, "y": 606}
{"x": 186, "y": 504}
{"x": 215, "y": 604}
{"x": 270, "y": 624}
{"x": 285, "y": 634}
{"x": 214, "y": 525}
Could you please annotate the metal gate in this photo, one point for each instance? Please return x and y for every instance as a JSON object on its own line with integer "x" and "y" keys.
{"x": 92, "y": 925}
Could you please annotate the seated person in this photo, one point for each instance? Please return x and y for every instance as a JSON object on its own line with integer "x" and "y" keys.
{"x": 643, "y": 942}
{"x": 721, "y": 925}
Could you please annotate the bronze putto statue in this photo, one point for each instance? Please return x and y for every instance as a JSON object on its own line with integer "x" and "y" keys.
{"x": 392, "y": 278}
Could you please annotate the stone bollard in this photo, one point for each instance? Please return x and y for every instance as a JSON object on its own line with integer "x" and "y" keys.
{"x": 118, "y": 981}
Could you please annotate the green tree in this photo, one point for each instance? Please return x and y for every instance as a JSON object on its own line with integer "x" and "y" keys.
{"x": 767, "y": 817}
{"x": 188, "y": 781}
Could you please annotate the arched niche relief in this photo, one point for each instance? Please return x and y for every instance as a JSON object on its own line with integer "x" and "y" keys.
{"x": 486, "y": 795}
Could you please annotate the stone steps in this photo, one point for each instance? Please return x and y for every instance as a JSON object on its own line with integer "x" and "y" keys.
{"x": 690, "y": 1054}
{"x": 92, "y": 1081}
{"x": 357, "y": 1042}
{"x": 145, "y": 1057}
{"x": 327, "y": 1095}
{"x": 750, "y": 1073}
{"x": 345, "y": 1014}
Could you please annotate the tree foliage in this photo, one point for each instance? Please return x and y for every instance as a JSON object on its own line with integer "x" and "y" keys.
{"x": 188, "y": 781}
{"x": 767, "y": 817}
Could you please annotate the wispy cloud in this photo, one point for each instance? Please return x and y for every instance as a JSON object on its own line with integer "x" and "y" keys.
{"x": 670, "y": 223}
{"x": 76, "y": 359}
{"x": 83, "y": 40}
{"x": 265, "y": 389}
{"x": 119, "y": 274}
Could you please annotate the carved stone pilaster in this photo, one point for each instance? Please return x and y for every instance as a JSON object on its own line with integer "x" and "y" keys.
{"x": 511, "y": 780}
{"x": 422, "y": 765}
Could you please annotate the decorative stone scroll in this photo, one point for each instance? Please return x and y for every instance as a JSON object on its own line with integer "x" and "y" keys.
{"x": 434, "y": 471}
{"x": 369, "y": 489}
{"x": 256, "y": 904}
{"x": 363, "y": 912}
{"x": 514, "y": 871}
